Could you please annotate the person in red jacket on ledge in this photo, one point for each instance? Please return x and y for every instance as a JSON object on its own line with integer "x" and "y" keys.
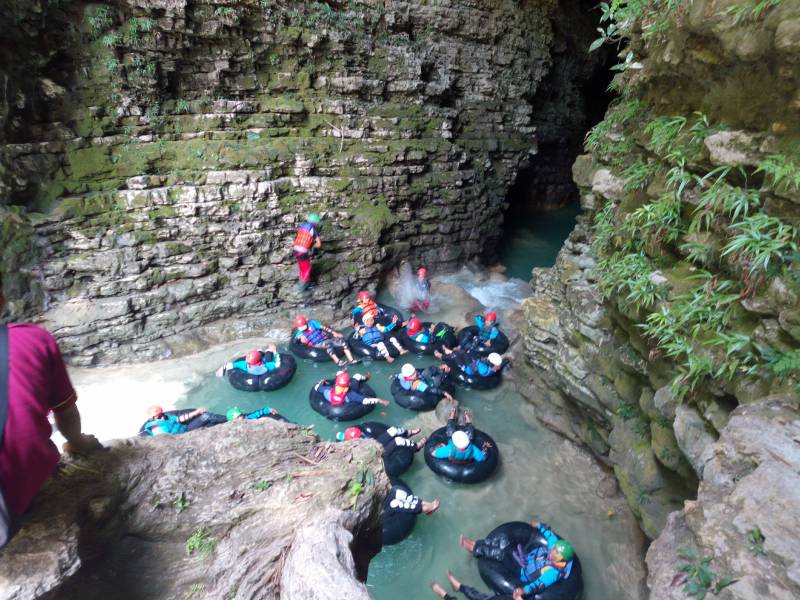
{"x": 38, "y": 383}
{"x": 306, "y": 239}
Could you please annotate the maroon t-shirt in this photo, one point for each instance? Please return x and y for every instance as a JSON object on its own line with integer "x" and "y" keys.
{"x": 38, "y": 383}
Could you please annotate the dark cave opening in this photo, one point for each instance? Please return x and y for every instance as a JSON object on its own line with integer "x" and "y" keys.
{"x": 544, "y": 201}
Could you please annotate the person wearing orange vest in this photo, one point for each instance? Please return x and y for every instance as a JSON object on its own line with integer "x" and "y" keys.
{"x": 366, "y": 306}
{"x": 307, "y": 237}
{"x": 340, "y": 392}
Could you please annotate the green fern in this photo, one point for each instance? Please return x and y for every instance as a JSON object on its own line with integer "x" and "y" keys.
{"x": 780, "y": 170}
{"x": 762, "y": 241}
{"x": 749, "y": 10}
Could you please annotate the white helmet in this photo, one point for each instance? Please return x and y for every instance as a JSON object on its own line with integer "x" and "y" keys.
{"x": 408, "y": 370}
{"x": 460, "y": 440}
{"x": 495, "y": 359}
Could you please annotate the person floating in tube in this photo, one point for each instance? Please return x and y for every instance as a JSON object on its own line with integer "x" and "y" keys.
{"x": 391, "y": 439}
{"x": 488, "y": 330}
{"x": 315, "y": 335}
{"x": 469, "y": 592}
{"x": 540, "y": 565}
{"x": 373, "y": 334}
{"x": 256, "y": 362}
{"x": 160, "y": 423}
{"x": 401, "y": 501}
{"x": 459, "y": 448}
{"x": 422, "y": 288}
{"x": 365, "y": 306}
{"x": 430, "y": 379}
{"x": 306, "y": 239}
{"x": 340, "y": 392}
{"x": 484, "y": 367}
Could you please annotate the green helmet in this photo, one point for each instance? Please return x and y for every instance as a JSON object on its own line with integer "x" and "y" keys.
{"x": 233, "y": 413}
{"x": 314, "y": 218}
{"x": 565, "y": 549}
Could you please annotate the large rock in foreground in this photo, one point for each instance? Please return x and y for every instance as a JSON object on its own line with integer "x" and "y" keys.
{"x": 746, "y": 515}
{"x": 227, "y": 512}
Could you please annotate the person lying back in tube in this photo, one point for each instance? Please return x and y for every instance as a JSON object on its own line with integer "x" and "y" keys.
{"x": 256, "y": 362}
{"x": 160, "y": 423}
{"x": 372, "y": 334}
{"x": 488, "y": 330}
{"x": 236, "y": 414}
{"x": 340, "y": 392}
{"x": 391, "y": 439}
{"x": 315, "y": 335}
{"x": 459, "y": 448}
{"x": 428, "y": 380}
{"x": 540, "y": 566}
{"x": 484, "y": 367}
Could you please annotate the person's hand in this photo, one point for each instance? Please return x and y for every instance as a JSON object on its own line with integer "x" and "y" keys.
{"x": 518, "y": 594}
{"x": 273, "y": 411}
{"x": 395, "y": 318}
{"x": 487, "y": 343}
{"x": 486, "y": 445}
{"x": 83, "y": 445}
{"x": 272, "y": 348}
{"x": 384, "y": 402}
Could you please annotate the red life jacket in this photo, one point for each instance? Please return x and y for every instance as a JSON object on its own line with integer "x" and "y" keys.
{"x": 304, "y": 238}
{"x": 338, "y": 399}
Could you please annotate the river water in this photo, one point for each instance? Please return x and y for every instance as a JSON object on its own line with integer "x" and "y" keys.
{"x": 541, "y": 475}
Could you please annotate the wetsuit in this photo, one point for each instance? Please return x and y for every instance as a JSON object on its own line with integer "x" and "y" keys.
{"x": 453, "y": 454}
{"x": 485, "y": 334}
{"x": 401, "y": 501}
{"x": 270, "y": 362}
{"x": 429, "y": 379}
{"x": 471, "y": 365}
{"x": 391, "y": 439}
{"x": 172, "y": 425}
{"x": 537, "y": 571}
{"x": 453, "y": 426}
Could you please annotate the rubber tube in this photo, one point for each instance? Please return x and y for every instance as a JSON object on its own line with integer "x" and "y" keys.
{"x": 499, "y": 344}
{"x": 315, "y": 353}
{"x": 474, "y": 381}
{"x": 471, "y": 472}
{"x": 503, "y": 576}
{"x": 398, "y": 460}
{"x": 349, "y": 411}
{"x": 364, "y": 350}
{"x": 397, "y": 525}
{"x": 200, "y": 421}
{"x": 268, "y": 382}
{"x": 420, "y": 401}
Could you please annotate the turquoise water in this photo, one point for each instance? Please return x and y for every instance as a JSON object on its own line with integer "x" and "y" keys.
{"x": 533, "y": 239}
{"x": 541, "y": 475}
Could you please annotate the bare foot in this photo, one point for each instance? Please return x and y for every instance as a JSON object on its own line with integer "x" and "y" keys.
{"x": 414, "y": 431}
{"x": 389, "y": 358}
{"x": 402, "y": 351}
{"x": 454, "y": 583}
{"x": 437, "y": 354}
{"x": 438, "y": 590}
{"x": 466, "y": 543}
{"x": 430, "y": 507}
{"x": 421, "y": 443}
{"x": 467, "y": 416}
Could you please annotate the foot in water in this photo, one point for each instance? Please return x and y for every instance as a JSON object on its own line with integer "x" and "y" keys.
{"x": 430, "y": 507}
{"x": 421, "y": 443}
{"x": 466, "y": 543}
{"x": 438, "y": 590}
{"x": 454, "y": 583}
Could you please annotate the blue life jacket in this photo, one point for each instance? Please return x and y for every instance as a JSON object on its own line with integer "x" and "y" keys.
{"x": 536, "y": 560}
{"x": 370, "y": 335}
{"x": 313, "y": 333}
{"x": 421, "y": 336}
{"x": 261, "y": 412}
{"x": 169, "y": 424}
{"x": 486, "y": 333}
{"x": 468, "y": 454}
{"x": 480, "y": 366}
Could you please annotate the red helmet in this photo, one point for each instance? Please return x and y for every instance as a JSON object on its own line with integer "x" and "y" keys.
{"x": 300, "y": 321}
{"x": 363, "y": 296}
{"x": 254, "y": 357}
{"x": 343, "y": 379}
{"x": 414, "y": 325}
{"x": 422, "y": 272}
{"x": 352, "y": 433}
{"x": 491, "y": 316}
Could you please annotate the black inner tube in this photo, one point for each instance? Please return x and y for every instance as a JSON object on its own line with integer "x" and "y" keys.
{"x": 267, "y": 382}
{"x": 475, "y": 381}
{"x": 395, "y": 462}
{"x": 414, "y": 400}
{"x": 349, "y": 411}
{"x": 200, "y": 421}
{"x": 397, "y": 524}
{"x": 499, "y": 344}
{"x": 367, "y": 351}
{"x": 504, "y": 575}
{"x": 312, "y": 352}
{"x": 470, "y": 472}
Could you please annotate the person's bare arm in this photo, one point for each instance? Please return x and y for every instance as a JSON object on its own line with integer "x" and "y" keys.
{"x": 318, "y": 243}
{"x": 68, "y": 421}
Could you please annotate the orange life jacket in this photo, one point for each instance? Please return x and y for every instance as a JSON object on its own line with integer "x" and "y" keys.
{"x": 369, "y": 307}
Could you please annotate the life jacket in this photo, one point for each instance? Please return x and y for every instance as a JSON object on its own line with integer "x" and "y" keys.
{"x": 169, "y": 424}
{"x": 340, "y": 398}
{"x": 304, "y": 238}
{"x": 370, "y": 335}
{"x": 409, "y": 384}
{"x": 536, "y": 561}
{"x": 485, "y": 333}
{"x": 370, "y": 307}
{"x": 313, "y": 334}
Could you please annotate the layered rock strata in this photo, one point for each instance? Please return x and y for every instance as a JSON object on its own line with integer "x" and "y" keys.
{"x": 235, "y": 511}
{"x": 157, "y": 156}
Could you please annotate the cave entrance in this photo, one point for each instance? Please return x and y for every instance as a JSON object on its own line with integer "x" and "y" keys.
{"x": 543, "y": 202}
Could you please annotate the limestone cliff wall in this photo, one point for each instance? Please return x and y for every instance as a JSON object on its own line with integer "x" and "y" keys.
{"x": 157, "y": 156}
{"x": 672, "y": 307}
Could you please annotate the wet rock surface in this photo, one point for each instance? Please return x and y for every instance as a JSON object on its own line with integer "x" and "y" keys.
{"x": 241, "y": 510}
